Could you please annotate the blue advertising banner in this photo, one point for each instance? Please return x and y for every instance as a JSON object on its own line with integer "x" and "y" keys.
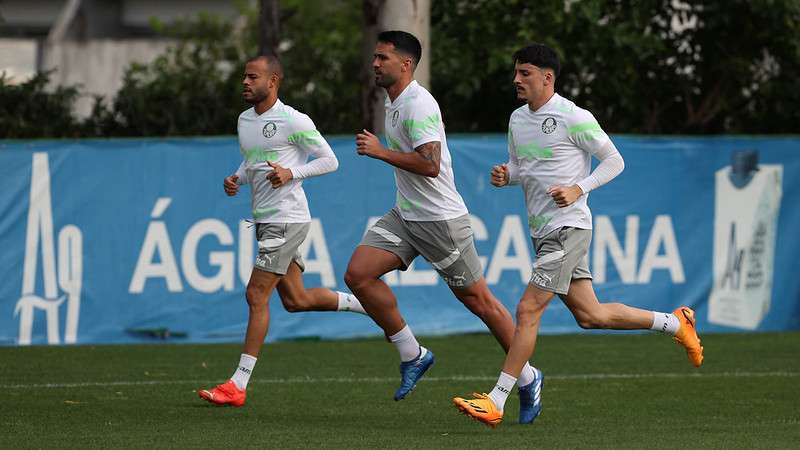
{"x": 111, "y": 241}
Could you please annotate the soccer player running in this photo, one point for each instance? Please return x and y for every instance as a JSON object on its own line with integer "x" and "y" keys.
{"x": 275, "y": 141}
{"x": 550, "y": 145}
{"x": 429, "y": 219}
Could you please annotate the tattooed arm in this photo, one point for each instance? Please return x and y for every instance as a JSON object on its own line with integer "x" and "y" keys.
{"x": 431, "y": 153}
{"x": 424, "y": 160}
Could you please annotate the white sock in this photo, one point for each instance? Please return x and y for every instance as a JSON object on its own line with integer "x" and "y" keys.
{"x": 349, "y": 302}
{"x": 406, "y": 344}
{"x": 527, "y": 376}
{"x": 666, "y": 323}
{"x": 501, "y": 390}
{"x": 243, "y": 372}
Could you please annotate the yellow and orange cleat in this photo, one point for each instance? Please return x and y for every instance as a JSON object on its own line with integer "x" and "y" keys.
{"x": 687, "y": 335}
{"x": 480, "y": 408}
{"x": 224, "y": 394}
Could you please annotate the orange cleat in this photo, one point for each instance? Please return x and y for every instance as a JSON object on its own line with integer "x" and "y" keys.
{"x": 687, "y": 335}
{"x": 224, "y": 394}
{"x": 480, "y": 408}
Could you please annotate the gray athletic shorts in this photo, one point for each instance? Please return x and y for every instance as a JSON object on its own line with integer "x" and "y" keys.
{"x": 278, "y": 245}
{"x": 446, "y": 244}
{"x": 561, "y": 256}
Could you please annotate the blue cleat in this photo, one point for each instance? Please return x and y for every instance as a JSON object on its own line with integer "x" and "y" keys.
{"x": 412, "y": 371}
{"x": 530, "y": 398}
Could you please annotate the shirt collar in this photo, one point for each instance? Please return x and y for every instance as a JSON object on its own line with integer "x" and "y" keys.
{"x": 547, "y": 106}
{"x": 278, "y": 106}
{"x": 406, "y": 92}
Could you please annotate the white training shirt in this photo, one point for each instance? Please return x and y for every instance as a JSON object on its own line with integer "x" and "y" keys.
{"x": 553, "y": 146}
{"x": 414, "y": 119}
{"x": 287, "y": 137}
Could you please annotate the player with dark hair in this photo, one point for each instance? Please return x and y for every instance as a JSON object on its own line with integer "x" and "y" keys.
{"x": 429, "y": 219}
{"x": 550, "y": 144}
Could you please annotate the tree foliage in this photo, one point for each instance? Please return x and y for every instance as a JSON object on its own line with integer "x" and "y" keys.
{"x": 195, "y": 87}
{"x": 649, "y": 66}
{"x": 191, "y": 89}
{"x": 321, "y": 42}
{"x": 29, "y": 110}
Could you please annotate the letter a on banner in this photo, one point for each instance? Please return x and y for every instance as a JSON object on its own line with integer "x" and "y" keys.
{"x": 40, "y": 229}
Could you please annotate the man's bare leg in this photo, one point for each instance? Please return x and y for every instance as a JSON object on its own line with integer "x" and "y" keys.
{"x": 590, "y": 313}
{"x": 296, "y": 298}
{"x": 529, "y": 315}
{"x": 366, "y": 267}
{"x": 363, "y": 277}
{"x": 489, "y": 409}
{"x": 233, "y": 392}
{"x": 259, "y": 288}
{"x": 481, "y": 302}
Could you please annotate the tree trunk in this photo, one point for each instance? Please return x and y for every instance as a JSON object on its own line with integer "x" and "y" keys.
{"x": 371, "y": 95}
{"x": 269, "y": 27}
{"x": 412, "y": 16}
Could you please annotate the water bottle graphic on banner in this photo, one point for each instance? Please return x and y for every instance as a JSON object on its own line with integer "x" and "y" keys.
{"x": 747, "y": 205}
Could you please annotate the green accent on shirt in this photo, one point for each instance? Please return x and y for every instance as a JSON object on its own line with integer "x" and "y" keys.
{"x": 404, "y": 203}
{"x": 394, "y": 144}
{"x": 566, "y": 107}
{"x": 537, "y": 222}
{"x": 533, "y": 151}
{"x": 310, "y": 137}
{"x": 584, "y": 127}
{"x": 415, "y": 128}
{"x": 585, "y": 131}
{"x": 260, "y": 213}
{"x": 255, "y": 155}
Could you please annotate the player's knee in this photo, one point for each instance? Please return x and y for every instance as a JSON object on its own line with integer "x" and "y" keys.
{"x": 351, "y": 279}
{"x": 354, "y": 278}
{"x": 528, "y": 312}
{"x": 256, "y": 296}
{"x": 533, "y": 304}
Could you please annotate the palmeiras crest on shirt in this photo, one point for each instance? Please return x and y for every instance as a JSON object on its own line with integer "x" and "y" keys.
{"x": 549, "y": 125}
{"x": 269, "y": 129}
{"x": 395, "y": 116}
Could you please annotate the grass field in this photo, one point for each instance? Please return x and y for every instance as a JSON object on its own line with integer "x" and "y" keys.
{"x": 601, "y": 391}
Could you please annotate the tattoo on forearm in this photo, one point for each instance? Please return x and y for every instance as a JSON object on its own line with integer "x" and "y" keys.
{"x": 432, "y": 151}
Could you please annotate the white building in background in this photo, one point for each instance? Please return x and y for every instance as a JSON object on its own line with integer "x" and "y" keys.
{"x": 88, "y": 42}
